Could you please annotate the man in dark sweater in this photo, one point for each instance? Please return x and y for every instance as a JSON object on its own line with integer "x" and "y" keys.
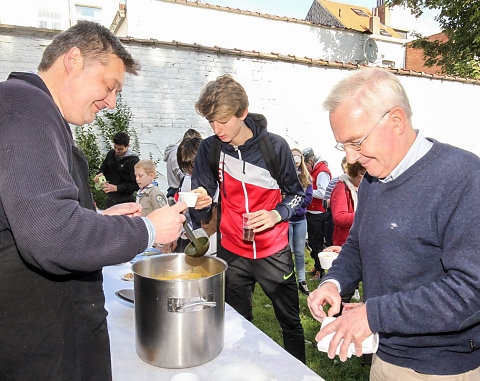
{"x": 414, "y": 241}
{"x": 118, "y": 169}
{"x": 53, "y": 244}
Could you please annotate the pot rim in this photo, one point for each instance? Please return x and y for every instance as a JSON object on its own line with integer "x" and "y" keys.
{"x": 175, "y": 280}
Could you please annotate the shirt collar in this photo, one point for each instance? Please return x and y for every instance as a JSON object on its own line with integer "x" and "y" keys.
{"x": 419, "y": 148}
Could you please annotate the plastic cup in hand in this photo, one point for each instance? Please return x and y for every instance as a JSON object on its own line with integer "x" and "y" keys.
{"x": 188, "y": 198}
{"x": 248, "y": 234}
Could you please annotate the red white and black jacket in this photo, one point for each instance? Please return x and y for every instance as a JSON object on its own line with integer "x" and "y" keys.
{"x": 247, "y": 186}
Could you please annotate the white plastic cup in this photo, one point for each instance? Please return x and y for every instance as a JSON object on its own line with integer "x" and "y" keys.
{"x": 326, "y": 259}
{"x": 369, "y": 345}
{"x": 188, "y": 198}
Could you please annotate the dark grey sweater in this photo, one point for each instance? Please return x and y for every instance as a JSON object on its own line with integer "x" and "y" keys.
{"x": 53, "y": 244}
{"x": 415, "y": 243}
{"x": 39, "y": 199}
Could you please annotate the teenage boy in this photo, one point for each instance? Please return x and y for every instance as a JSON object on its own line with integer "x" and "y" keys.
{"x": 118, "y": 168}
{"x": 247, "y": 186}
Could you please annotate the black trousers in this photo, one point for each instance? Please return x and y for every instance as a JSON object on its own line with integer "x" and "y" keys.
{"x": 115, "y": 198}
{"x": 276, "y": 276}
{"x": 318, "y": 229}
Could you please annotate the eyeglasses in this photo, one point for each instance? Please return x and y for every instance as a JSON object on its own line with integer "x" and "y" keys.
{"x": 357, "y": 146}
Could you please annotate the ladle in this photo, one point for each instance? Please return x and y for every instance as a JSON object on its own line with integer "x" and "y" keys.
{"x": 198, "y": 246}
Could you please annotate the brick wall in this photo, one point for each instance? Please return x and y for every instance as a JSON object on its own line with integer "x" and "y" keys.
{"x": 289, "y": 94}
{"x": 414, "y": 59}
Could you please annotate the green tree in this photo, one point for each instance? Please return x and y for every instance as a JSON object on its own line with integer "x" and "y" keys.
{"x": 460, "y": 21}
{"x": 87, "y": 141}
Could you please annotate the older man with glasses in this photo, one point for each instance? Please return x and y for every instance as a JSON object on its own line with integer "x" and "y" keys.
{"x": 414, "y": 242}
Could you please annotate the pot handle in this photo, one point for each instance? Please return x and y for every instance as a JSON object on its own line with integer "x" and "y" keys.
{"x": 191, "y": 307}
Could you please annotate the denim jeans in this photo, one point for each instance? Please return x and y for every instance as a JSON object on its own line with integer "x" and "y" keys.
{"x": 297, "y": 235}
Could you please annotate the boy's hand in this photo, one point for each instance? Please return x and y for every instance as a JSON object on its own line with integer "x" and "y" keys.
{"x": 262, "y": 220}
{"x": 95, "y": 180}
{"x": 107, "y": 187}
{"x": 203, "y": 199}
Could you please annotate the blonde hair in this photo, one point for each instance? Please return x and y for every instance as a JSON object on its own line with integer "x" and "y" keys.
{"x": 304, "y": 175}
{"x": 375, "y": 89}
{"x": 221, "y": 99}
{"x": 147, "y": 165}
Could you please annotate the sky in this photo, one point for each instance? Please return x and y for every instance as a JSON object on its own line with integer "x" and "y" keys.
{"x": 401, "y": 17}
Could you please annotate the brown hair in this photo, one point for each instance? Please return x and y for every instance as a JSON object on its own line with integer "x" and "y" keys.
{"x": 191, "y": 133}
{"x": 147, "y": 165}
{"x": 186, "y": 153}
{"x": 304, "y": 175}
{"x": 221, "y": 99}
{"x": 352, "y": 170}
{"x": 94, "y": 41}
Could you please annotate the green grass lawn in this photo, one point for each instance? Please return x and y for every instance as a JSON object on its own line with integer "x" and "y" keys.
{"x": 330, "y": 370}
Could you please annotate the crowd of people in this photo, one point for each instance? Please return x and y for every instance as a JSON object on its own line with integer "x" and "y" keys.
{"x": 399, "y": 222}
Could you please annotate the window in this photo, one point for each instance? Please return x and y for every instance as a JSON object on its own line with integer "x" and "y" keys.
{"x": 87, "y": 13}
{"x": 49, "y": 18}
{"x": 388, "y": 64}
{"x": 360, "y": 12}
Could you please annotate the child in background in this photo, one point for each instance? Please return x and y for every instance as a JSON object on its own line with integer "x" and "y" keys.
{"x": 186, "y": 153}
{"x": 149, "y": 195}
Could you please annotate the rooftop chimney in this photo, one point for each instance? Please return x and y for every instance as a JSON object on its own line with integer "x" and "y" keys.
{"x": 374, "y": 23}
{"x": 383, "y": 12}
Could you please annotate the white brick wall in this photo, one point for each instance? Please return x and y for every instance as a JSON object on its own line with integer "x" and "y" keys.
{"x": 290, "y": 95}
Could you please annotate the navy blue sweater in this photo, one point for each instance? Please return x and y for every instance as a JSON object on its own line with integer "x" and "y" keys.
{"x": 415, "y": 243}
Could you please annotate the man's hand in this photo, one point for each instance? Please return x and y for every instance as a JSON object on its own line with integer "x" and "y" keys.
{"x": 327, "y": 293}
{"x": 351, "y": 326}
{"x": 168, "y": 222}
{"x": 107, "y": 188}
{"x": 203, "y": 199}
{"x": 262, "y": 220}
{"x": 130, "y": 209}
{"x": 169, "y": 247}
{"x": 333, "y": 249}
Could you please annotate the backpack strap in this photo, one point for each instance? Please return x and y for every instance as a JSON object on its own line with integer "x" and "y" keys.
{"x": 214, "y": 157}
{"x": 270, "y": 158}
{"x": 347, "y": 191}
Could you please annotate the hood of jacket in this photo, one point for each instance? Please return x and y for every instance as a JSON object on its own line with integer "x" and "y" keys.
{"x": 171, "y": 148}
{"x": 258, "y": 124}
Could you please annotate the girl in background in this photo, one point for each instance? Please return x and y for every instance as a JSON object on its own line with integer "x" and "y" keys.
{"x": 297, "y": 230}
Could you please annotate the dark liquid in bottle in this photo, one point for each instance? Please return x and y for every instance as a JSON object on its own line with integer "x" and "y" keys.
{"x": 248, "y": 234}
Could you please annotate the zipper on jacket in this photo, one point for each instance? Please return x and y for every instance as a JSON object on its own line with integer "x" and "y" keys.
{"x": 247, "y": 210}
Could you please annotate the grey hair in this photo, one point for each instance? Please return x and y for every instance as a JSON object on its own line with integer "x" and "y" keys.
{"x": 374, "y": 88}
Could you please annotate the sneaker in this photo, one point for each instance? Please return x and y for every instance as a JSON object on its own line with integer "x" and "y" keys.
{"x": 302, "y": 286}
{"x": 318, "y": 277}
{"x": 313, "y": 271}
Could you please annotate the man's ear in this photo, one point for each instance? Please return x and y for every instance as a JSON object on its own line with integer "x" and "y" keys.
{"x": 399, "y": 120}
{"x": 73, "y": 60}
{"x": 244, "y": 115}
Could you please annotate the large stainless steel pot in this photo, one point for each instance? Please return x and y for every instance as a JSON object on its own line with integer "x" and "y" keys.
{"x": 179, "y": 323}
